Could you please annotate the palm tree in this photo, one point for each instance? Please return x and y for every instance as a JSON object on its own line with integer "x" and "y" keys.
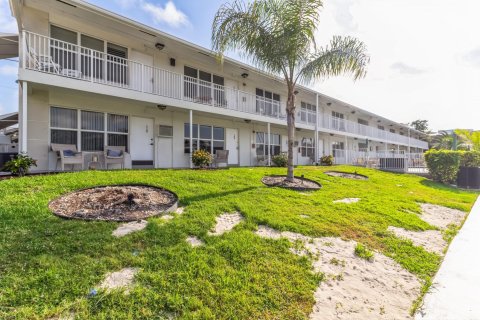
{"x": 471, "y": 139}
{"x": 278, "y": 36}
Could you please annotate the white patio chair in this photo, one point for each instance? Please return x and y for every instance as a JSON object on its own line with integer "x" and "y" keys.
{"x": 110, "y": 158}
{"x": 67, "y": 154}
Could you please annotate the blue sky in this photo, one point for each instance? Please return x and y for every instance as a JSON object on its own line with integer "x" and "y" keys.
{"x": 425, "y": 55}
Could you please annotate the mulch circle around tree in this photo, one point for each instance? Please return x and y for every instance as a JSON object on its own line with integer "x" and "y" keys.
{"x": 348, "y": 175}
{"x": 120, "y": 203}
{"x": 299, "y": 184}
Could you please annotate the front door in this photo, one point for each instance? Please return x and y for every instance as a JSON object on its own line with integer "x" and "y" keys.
{"x": 232, "y": 146}
{"x": 141, "y": 141}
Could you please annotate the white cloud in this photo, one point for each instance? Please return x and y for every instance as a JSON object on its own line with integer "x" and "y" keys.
{"x": 169, "y": 14}
{"x": 473, "y": 57}
{"x": 421, "y": 59}
{"x": 7, "y": 22}
{"x": 8, "y": 70}
{"x": 406, "y": 69}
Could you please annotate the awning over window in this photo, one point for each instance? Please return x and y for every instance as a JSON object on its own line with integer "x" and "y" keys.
{"x": 8, "y": 45}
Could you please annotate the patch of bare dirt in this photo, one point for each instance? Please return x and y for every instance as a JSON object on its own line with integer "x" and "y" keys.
{"x": 130, "y": 227}
{"x": 347, "y": 200}
{"x": 114, "y": 203}
{"x": 347, "y": 175}
{"x": 296, "y": 184}
{"x": 354, "y": 288}
{"x": 441, "y": 217}
{"x": 194, "y": 241}
{"x": 122, "y": 279}
{"x": 225, "y": 223}
{"x": 430, "y": 240}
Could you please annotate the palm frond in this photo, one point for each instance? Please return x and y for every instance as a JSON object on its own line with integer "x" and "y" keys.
{"x": 344, "y": 55}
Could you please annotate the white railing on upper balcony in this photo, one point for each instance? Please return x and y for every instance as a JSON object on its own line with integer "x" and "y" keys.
{"x": 65, "y": 59}
{"x": 342, "y": 125}
{"x": 69, "y": 60}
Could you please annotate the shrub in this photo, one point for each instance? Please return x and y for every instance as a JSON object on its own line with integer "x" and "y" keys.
{"x": 19, "y": 165}
{"x": 280, "y": 160}
{"x": 201, "y": 158}
{"x": 364, "y": 253}
{"x": 443, "y": 165}
{"x": 326, "y": 160}
{"x": 470, "y": 159}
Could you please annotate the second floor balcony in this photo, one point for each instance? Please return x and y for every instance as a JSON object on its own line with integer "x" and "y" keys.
{"x": 49, "y": 55}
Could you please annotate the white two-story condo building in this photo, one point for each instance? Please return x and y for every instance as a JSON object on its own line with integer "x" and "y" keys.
{"x": 91, "y": 78}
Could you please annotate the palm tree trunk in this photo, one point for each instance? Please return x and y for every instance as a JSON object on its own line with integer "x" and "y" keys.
{"x": 291, "y": 132}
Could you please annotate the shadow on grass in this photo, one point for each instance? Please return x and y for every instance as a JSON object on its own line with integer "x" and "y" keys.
{"x": 440, "y": 186}
{"x": 200, "y": 197}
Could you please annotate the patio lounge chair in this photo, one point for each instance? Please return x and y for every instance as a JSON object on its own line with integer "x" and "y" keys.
{"x": 221, "y": 156}
{"x": 67, "y": 154}
{"x": 114, "y": 155}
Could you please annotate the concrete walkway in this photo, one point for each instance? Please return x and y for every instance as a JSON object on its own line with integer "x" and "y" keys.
{"x": 455, "y": 294}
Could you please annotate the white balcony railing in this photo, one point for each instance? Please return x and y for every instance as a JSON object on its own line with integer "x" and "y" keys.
{"x": 347, "y": 126}
{"x": 69, "y": 60}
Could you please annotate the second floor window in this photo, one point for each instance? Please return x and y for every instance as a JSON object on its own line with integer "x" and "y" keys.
{"x": 91, "y": 58}
{"x": 204, "y": 87}
{"x": 338, "y": 122}
{"x": 392, "y": 130}
{"x": 362, "y": 122}
{"x": 308, "y": 112}
{"x": 267, "y": 103}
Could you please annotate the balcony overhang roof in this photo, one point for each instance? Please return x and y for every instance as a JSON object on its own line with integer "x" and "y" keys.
{"x": 8, "y": 45}
{"x": 8, "y": 120}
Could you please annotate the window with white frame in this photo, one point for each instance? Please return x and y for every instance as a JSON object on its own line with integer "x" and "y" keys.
{"x": 267, "y": 103}
{"x": 308, "y": 112}
{"x": 338, "y": 149}
{"x": 392, "y": 130}
{"x": 363, "y": 122}
{"x": 308, "y": 147}
{"x": 90, "y": 60}
{"x": 381, "y": 127}
{"x": 261, "y": 144}
{"x": 88, "y": 129}
{"x": 200, "y": 86}
{"x": 338, "y": 122}
{"x": 204, "y": 137}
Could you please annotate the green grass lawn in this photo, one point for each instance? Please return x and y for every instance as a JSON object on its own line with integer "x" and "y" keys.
{"x": 49, "y": 265}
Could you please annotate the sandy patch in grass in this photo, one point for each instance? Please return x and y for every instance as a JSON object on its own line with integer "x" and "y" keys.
{"x": 440, "y": 216}
{"x": 354, "y": 288}
{"x": 430, "y": 240}
{"x": 347, "y": 200}
{"x": 119, "y": 280}
{"x": 194, "y": 241}
{"x": 180, "y": 210}
{"x": 167, "y": 217}
{"x": 225, "y": 223}
{"x": 130, "y": 227}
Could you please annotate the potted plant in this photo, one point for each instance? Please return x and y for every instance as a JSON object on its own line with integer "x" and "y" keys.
{"x": 20, "y": 165}
{"x": 326, "y": 160}
{"x": 201, "y": 158}
{"x": 280, "y": 160}
{"x": 469, "y": 173}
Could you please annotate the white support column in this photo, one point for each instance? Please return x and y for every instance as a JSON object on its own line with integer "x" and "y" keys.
{"x": 317, "y": 141}
{"x": 409, "y": 141}
{"x": 268, "y": 144}
{"x": 191, "y": 138}
{"x": 346, "y": 150}
{"x": 23, "y": 118}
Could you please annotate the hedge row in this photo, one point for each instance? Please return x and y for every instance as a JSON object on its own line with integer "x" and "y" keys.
{"x": 444, "y": 165}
